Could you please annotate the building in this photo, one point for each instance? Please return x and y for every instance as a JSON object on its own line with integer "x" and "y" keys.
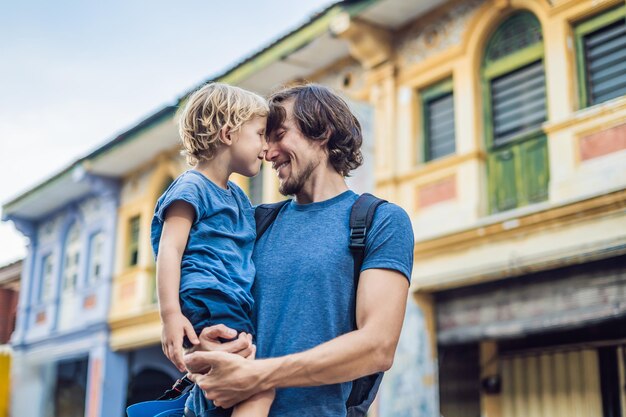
{"x": 62, "y": 361}
{"x": 9, "y": 291}
{"x": 501, "y": 128}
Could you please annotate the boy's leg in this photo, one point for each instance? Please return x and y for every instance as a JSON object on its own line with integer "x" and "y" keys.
{"x": 256, "y": 406}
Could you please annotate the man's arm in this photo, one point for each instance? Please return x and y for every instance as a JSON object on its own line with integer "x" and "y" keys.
{"x": 380, "y": 306}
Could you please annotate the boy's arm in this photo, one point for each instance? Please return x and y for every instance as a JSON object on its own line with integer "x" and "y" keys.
{"x": 381, "y": 302}
{"x": 178, "y": 220}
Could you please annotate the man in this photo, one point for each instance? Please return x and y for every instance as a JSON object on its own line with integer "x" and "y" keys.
{"x": 304, "y": 289}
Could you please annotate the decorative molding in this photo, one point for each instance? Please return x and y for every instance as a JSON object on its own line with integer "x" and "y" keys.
{"x": 368, "y": 44}
{"x": 504, "y": 224}
{"x": 590, "y": 114}
{"x": 26, "y": 227}
{"x": 424, "y": 40}
{"x": 433, "y": 167}
{"x": 103, "y": 186}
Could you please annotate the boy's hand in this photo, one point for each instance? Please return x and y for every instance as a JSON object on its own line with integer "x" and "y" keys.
{"x": 175, "y": 327}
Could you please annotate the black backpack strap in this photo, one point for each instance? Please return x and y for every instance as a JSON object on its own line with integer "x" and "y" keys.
{"x": 265, "y": 214}
{"x": 361, "y": 218}
{"x": 363, "y": 389}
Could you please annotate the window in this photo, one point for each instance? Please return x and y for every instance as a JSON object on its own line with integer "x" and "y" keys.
{"x": 438, "y": 121}
{"x": 601, "y": 55}
{"x": 518, "y": 102}
{"x": 96, "y": 249}
{"x": 72, "y": 258}
{"x": 255, "y": 188}
{"x": 515, "y": 109}
{"x": 47, "y": 271}
{"x": 133, "y": 241}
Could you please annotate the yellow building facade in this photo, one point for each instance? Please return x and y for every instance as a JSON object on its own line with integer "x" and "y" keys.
{"x": 500, "y": 126}
{"x": 567, "y": 219}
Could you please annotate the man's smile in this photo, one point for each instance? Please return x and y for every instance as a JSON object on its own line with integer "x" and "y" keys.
{"x": 278, "y": 166}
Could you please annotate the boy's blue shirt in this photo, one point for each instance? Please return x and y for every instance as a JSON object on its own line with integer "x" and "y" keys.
{"x": 304, "y": 289}
{"x": 216, "y": 268}
{"x": 218, "y": 254}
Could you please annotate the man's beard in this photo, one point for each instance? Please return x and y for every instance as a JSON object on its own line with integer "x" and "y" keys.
{"x": 294, "y": 184}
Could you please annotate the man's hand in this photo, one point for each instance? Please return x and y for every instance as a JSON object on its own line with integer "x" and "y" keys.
{"x": 230, "y": 380}
{"x": 210, "y": 342}
{"x": 175, "y": 327}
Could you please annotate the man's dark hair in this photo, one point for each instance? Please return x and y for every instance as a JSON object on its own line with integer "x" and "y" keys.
{"x": 321, "y": 114}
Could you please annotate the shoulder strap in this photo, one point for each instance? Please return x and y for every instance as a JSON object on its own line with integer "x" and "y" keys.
{"x": 361, "y": 217}
{"x": 265, "y": 214}
{"x": 364, "y": 389}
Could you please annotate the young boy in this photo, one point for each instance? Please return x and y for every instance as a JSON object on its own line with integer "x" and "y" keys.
{"x": 203, "y": 230}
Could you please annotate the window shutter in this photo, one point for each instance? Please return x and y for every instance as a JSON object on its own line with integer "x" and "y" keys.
{"x": 519, "y": 102}
{"x": 440, "y": 131}
{"x": 605, "y": 56}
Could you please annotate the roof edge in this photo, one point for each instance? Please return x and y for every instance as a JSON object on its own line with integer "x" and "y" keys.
{"x": 283, "y": 46}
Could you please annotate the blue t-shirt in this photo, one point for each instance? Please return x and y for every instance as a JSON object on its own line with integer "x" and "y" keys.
{"x": 219, "y": 249}
{"x": 304, "y": 289}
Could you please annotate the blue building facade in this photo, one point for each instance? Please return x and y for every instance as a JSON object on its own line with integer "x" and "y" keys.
{"x": 63, "y": 364}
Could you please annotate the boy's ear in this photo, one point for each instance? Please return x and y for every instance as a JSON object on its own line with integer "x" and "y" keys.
{"x": 225, "y": 136}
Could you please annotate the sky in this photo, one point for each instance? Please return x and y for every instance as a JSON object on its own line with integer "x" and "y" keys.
{"x": 74, "y": 73}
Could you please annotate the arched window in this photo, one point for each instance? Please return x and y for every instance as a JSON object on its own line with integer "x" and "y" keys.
{"x": 514, "y": 89}
{"x": 72, "y": 258}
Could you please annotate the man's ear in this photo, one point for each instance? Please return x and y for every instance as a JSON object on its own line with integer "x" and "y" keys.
{"x": 226, "y": 136}
{"x": 323, "y": 144}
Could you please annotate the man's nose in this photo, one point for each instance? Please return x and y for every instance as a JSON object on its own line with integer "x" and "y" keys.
{"x": 271, "y": 153}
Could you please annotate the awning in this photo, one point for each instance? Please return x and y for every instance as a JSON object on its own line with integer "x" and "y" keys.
{"x": 548, "y": 301}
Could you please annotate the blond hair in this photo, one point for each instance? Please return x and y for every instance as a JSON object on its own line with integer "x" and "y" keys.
{"x": 208, "y": 110}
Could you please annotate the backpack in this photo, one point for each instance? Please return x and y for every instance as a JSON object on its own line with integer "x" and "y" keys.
{"x": 364, "y": 389}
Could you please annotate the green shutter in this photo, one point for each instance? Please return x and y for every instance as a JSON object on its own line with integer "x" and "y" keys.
{"x": 534, "y": 158}
{"x": 503, "y": 167}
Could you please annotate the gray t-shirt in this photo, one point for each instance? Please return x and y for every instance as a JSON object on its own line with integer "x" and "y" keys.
{"x": 304, "y": 289}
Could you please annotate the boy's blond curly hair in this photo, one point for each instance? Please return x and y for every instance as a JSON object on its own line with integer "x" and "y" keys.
{"x": 208, "y": 110}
